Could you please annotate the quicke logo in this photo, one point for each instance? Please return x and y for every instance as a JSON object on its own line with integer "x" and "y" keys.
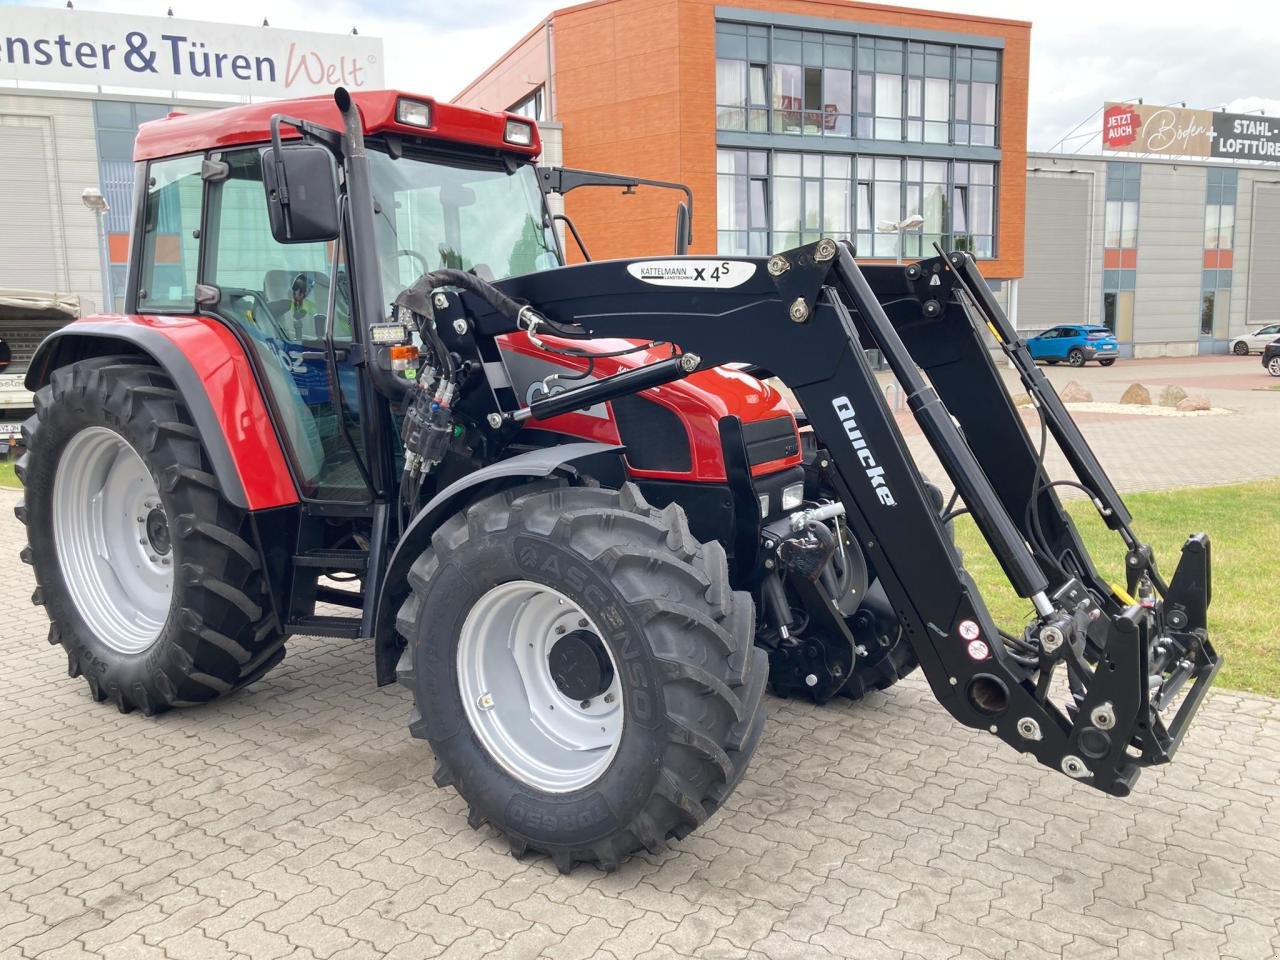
{"x": 874, "y": 472}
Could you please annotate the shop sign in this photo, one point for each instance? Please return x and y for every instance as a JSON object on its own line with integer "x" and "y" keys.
{"x": 1177, "y": 131}
{"x": 41, "y": 45}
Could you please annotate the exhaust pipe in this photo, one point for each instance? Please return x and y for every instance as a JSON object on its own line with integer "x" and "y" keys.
{"x": 367, "y": 281}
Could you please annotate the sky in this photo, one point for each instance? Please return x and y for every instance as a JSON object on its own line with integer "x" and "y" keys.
{"x": 1083, "y": 51}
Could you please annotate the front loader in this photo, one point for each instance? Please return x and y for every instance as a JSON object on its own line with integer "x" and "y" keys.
{"x": 357, "y": 393}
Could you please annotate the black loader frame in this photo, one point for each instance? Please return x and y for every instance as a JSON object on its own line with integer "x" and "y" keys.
{"x": 807, "y": 316}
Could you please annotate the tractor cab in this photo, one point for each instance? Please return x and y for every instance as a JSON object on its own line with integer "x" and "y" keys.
{"x": 447, "y": 192}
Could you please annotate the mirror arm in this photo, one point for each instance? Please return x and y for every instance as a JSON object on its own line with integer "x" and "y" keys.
{"x": 563, "y": 179}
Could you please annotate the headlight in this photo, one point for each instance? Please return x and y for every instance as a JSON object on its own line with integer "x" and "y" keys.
{"x": 764, "y": 505}
{"x": 413, "y": 113}
{"x": 519, "y": 133}
{"x": 792, "y": 496}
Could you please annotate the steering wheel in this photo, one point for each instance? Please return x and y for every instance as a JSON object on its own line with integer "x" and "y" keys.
{"x": 415, "y": 255}
{"x": 263, "y": 316}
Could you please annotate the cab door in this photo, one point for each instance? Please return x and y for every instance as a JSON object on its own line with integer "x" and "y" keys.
{"x": 284, "y": 299}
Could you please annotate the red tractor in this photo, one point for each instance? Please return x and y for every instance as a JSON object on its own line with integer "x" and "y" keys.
{"x": 357, "y": 393}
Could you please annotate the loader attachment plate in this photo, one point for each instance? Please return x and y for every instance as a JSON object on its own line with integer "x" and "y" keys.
{"x": 1086, "y": 683}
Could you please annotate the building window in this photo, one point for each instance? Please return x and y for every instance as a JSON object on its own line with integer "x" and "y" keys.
{"x": 880, "y": 88}
{"x": 115, "y": 128}
{"x": 1220, "y": 209}
{"x": 812, "y": 83}
{"x": 928, "y": 93}
{"x": 1117, "y": 302}
{"x": 531, "y": 106}
{"x": 1120, "y": 221}
{"x": 770, "y": 201}
{"x": 927, "y": 196}
{"x": 973, "y": 205}
{"x": 772, "y": 79}
{"x": 742, "y": 67}
{"x": 811, "y": 198}
{"x": 976, "y": 105}
{"x": 1215, "y": 303}
{"x": 742, "y": 218}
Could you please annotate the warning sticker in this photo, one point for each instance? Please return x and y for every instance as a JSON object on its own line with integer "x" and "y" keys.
{"x": 692, "y": 273}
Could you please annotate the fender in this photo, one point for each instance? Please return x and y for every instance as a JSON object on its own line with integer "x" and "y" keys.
{"x": 209, "y": 367}
{"x": 536, "y": 464}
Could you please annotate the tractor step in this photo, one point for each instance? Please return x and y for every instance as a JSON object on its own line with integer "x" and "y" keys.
{"x": 319, "y": 625}
{"x": 333, "y": 559}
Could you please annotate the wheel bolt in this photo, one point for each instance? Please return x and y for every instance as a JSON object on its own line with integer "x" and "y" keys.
{"x": 584, "y": 704}
{"x": 582, "y": 622}
{"x": 608, "y": 698}
{"x": 485, "y": 702}
{"x": 560, "y": 629}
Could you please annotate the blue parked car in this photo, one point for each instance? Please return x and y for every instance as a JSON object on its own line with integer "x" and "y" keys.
{"x": 1076, "y": 344}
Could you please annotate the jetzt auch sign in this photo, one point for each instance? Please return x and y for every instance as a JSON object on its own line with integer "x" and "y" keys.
{"x": 119, "y": 50}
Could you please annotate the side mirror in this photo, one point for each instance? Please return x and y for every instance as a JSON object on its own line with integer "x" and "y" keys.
{"x": 302, "y": 192}
{"x": 683, "y": 231}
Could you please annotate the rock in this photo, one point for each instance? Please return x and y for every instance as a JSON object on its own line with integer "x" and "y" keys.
{"x": 1171, "y": 396}
{"x": 1074, "y": 393}
{"x": 1137, "y": 394}
{"x": 1189, "y": 404}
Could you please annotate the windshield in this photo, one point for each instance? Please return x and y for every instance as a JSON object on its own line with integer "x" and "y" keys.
{"x": 454, "y": 212}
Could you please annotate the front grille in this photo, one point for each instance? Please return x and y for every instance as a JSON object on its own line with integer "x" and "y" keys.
{"x": 769, "y": 440}
{"x": 654, "y": 436}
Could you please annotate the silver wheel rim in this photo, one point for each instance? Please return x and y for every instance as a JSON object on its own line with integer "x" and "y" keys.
{"x": 1273, "y": 365}
{"x": 524, "y": 720}
{"x": 113, "y": 542}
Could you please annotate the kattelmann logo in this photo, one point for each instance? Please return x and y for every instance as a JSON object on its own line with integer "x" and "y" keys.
{"x": 874, "y": 472}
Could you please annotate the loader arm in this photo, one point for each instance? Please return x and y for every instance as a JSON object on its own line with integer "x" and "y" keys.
{"x": 807, "y": 316}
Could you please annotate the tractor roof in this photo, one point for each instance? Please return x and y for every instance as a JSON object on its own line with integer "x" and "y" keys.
{"x": 180, "y": 133}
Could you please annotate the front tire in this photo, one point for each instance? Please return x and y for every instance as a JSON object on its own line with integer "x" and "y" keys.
{"x": 656, "y": 627}
{"x": 1240, "y": 349}
{"x": 142, "y": 564}
{"x": 1076, "y": 357}
{"x": 1273, "y": 366}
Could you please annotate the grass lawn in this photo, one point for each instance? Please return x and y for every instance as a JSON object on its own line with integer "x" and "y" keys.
{"x": 1243, "y": 523}
{"x": 7, "y": 478}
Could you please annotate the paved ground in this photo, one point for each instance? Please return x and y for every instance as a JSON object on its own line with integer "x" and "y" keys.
{"x": 297, "y": 819}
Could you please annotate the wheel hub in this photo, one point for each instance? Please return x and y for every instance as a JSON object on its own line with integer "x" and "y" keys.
{"x": 157, "y": 527}
{"x": 580, "y": 666}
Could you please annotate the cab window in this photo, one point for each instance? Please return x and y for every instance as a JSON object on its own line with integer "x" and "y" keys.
{"x": 171, "y": 236}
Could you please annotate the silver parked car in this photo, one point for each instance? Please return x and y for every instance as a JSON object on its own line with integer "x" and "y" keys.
{"x": 1249, "y": 343}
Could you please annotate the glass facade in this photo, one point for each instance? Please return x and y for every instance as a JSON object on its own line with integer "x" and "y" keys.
{"x": 821, "y": 84}
{"x": 847, "y": 98}
{"x": 1120, "y": 241}
{"x": 115, "y": 127}
{"x": 774, "y": 199}
{"x": 1219, "y": 239}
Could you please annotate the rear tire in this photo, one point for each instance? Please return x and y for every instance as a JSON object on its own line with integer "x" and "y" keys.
{"x": 1107, "y": 362}
{"x": 1076, "y": 357}
{"x": 204, "y": 630}
{"x": 688, "y": 692}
